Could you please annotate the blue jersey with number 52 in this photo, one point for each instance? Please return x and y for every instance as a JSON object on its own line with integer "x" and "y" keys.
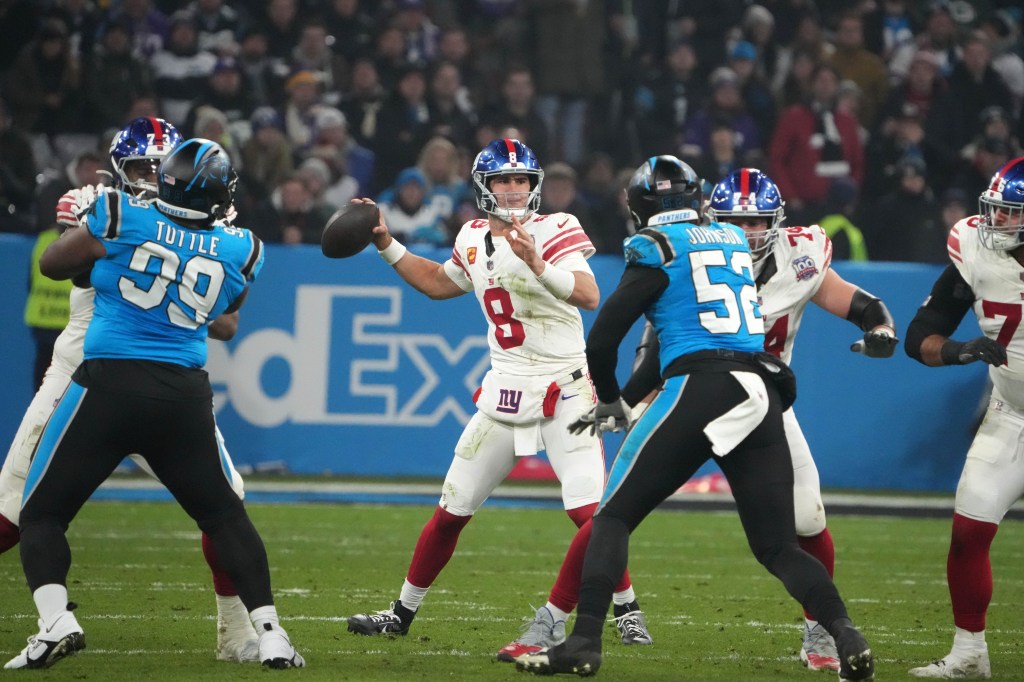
{"x": 161, "y": 284}
{"x": 711, "y": 300}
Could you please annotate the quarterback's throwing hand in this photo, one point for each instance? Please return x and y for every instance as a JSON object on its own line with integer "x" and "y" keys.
{"x": 877, "y": 343}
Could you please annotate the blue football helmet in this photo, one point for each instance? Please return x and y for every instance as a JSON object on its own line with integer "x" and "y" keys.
{"x": 1001, "y": 208}
{"x": 665, "y": 190}
{"x": 749, "y": 193}
{"x": 196, "y": 182}
{"x": 145, "y": 140}
{"x": 506, "y": 157}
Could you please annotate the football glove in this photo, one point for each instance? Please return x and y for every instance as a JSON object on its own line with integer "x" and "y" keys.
{"x": 877, "y": 343}
{"x": 75, "y": 202}
{"x": 981, "y": 348}
{"x": 613, "y": 416}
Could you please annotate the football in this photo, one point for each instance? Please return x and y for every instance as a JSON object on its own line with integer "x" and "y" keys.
{"x": 349, "y": 230}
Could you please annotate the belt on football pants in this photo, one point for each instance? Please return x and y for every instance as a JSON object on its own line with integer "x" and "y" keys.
{"x": 575, "y": 376}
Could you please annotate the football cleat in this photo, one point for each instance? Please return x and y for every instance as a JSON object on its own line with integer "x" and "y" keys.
{"x": 64, "y": 638}
{"x": 957, "y": 667}
{"x": 542, "y": 632}
{"x": 576, "y": 656}
{"x": 632, "y": 625}
{"x": 819, "y": 649}
{"x": 276, "y": 650}
{"x": 855, "y": 659}
{"x": 237, "y": 640}
{"x": 393, "y": 621}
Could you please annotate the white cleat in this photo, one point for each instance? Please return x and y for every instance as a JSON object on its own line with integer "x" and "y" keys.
{"x": 64, "y": 638}
{"x": 818, "y": 651}
{"x": 957, "y": 667}
{"x": 276, "y": 650}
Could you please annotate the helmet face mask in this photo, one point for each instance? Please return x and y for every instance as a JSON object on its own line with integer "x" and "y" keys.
{"x": 664, "y": 190}
{"x": 1001, "y": 209}
{"x": 502, "y": 159}
{"x": 196, "y": 182}
{"x": 747, "y": 194}
{"x": 144, "y": 139}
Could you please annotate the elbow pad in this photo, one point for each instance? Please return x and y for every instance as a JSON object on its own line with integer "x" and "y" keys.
{"x": 868, "y": 312}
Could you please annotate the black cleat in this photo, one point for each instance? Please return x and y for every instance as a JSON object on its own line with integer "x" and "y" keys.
{"x": 393, "y": 621}
{"x": 855, "y": 659}
{"x": 576, "y": 656}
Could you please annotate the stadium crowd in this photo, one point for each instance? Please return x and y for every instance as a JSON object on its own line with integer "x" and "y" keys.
{"x": 882, "y": 121}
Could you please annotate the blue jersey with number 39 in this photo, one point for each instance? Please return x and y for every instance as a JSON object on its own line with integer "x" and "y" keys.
{"x": 161, "y": 284}
{"x": 711, "y": 300}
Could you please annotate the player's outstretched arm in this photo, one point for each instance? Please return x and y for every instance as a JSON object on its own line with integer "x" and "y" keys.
{"x": 72, "y": 254}
{"x": 850, "y": 302}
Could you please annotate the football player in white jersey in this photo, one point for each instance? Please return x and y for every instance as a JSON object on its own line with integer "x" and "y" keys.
{"x": 986, "y": 274}
{"x": 792, "y": 266}
{"x": 529, "y": 273}
{"x": 135, "y": 153}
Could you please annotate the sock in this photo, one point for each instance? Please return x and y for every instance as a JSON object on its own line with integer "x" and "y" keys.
{"x": 9, "y": 534}
{"x": 412, "y": 596}
{"x": 435, "y": 547}
{"x": 557, "y": 614}
{"x": 820, "y": 547}
{"x": 969, "y": 571}
{"x": 966, "y": 643}
{"x": 231, "y": 613}
{"x": 566, "y": 590}
{"x": 223, "y": 586}
{"x": 626, "y": 596}
{"x": 265, "y": 618}
{"x": 51, "y": 602}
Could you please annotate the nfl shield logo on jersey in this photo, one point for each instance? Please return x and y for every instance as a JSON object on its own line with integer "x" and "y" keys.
{"x": 805, "y": 268}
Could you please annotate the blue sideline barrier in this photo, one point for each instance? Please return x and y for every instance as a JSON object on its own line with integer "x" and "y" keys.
{"x": 340, "y": 368}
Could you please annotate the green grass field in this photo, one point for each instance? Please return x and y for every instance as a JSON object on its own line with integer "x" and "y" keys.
{"x": 147, "y": 605}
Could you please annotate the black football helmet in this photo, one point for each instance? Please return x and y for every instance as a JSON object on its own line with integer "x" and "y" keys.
{"x": 665, "y": 190}
{"x": 196, "y": 182}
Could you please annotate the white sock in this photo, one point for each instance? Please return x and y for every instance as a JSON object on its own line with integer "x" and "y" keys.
{"x": 967, "y": 643}
{"x": 556, "y": 613}
{"x": 231, "y": 613}
{"x": 51, "y": 602}
{"x": 412, "y": 596}
{"x": 627, "y": 596}
{"x": 263, "y": 616}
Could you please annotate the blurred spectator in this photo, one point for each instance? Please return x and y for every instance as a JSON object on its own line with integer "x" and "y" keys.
{"x": 758, "y": 28}
{"x": 905, "y": 224}
{"x": 795, "y": 87}
{"x": 723, "y": 155}
{"x": 940, "y": 37}
{"x": 558, "y": 193}
{"x": 446, "y": 183}
{"x": 613, "y": 223}
{"x": 900, "y": 137}
{"x": 410, "y": 217}
{"x": 664, "y": 102}
{"x": 343, "y": 155}
{"x": 83, "y": 20}
{"x": 454, "y": 47}
{"x": 597, "y": 182}
{"x": 990, "y": 154}
{"x": 181, "y": 69}
{"x": 259, "y": 73}
{"x": 973, "y": 86}
{"x": 956, "y": 206}
{"x": 148, "y": 25}
{"x": 518, "y": 109}
{"x": 281, "y": 25}
{"x": 303, "y": 90}
{"x": 995, "y": 123}
{"x": 17, "y": 175}
{"x": 352, "y": 27}
{"x": 724, "y": 105}
{"x": 922, "y": 87}
{"x": 816, "y": 153}
{"x": 419, "y": 34}
{"x": 403, "y": 126}
{"x": 114, "y": 78}
{"x": 44, "y": 84}
{"x": 313, "y": 53}
{"x": 855, "y": 62}
{"x": 266, "y": 156}
{"x": 217, "y": 23}
{"x": 754, "y": 91}
{"x": 451, "y": 111}
{"x": 317, "y": 177}
{"x": 19, "y": 20}
{"x": 1002, "y": 31}
{"x": 289, "y": 215}
{"x": 212, "y": 124}
{"x": 389, "y": 56}
{"x": 888, "y": 26}
{"x": 362, "y": 103}
{"x": 567, "y": 80}
{"x": 224, "y": 91}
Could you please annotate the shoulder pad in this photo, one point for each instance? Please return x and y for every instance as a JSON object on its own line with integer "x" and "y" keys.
{"x": 649, "y": 247}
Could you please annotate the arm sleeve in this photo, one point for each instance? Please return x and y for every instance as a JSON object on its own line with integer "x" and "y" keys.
{"x": 637, "y": 290}
{"x": 646, "y": 368}
{"x": 942, "y": 311}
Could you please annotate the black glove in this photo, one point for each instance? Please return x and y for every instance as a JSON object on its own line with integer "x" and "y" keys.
{"x": 613, "y": 416}
{"x": 878, "y": 343}
{"x": 966, "y": 352}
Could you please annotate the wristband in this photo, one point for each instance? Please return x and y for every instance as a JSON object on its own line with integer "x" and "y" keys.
{"x": 559, "y": 282}
{"x": 393, "y": 253}
{"x": 949, "y": 353}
